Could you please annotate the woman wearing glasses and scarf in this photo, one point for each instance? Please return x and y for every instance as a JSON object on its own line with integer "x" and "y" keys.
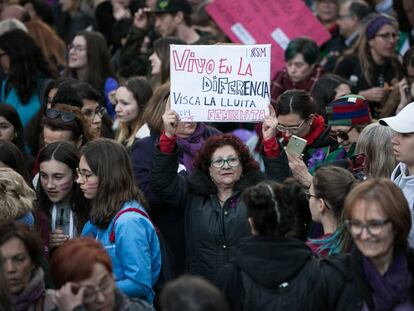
{"x": 381, "y": 268}
{"x": 347, "y": 116}
{"x": 371, "y": 65}
{"x": 209, "y": 198}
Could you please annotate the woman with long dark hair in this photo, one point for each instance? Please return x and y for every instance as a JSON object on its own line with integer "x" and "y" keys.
{"x": 27, "y": 69}
{"x": 371, "y": 65}
{"x": 118, "y": 217}
{"x": 59, "y": 197}
{"x": 89, "y": 61}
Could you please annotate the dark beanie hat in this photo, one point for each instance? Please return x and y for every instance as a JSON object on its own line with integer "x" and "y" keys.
{"x": 171, "y": 6}
{"x": 349, "y": 110}
{"x": 375, "y": 25}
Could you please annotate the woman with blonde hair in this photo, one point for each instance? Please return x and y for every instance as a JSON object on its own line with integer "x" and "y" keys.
{"x": 16, "y": 198}
{"x": 375, "y": 142}
{"x": 52, "y": 46}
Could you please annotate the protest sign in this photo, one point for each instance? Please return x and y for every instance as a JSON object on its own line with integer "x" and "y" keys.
{"x": 273, "y": 22}
{"x": 220, "y": 83}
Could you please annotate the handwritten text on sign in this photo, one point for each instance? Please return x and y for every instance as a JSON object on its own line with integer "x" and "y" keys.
{"x": 221, "y": 83}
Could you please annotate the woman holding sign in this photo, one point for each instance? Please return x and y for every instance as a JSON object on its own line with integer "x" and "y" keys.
{"x": 209, "y": 198}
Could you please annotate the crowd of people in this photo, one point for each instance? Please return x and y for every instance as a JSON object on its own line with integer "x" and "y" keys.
{"x": 108, "y": 201}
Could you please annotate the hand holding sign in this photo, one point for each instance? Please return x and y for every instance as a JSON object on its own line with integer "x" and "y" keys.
{"x": 269, "y": 124}
{"x": 170, "y": 119}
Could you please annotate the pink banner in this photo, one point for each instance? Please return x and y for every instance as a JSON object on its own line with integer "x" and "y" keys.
{"x": 267, "y": 21}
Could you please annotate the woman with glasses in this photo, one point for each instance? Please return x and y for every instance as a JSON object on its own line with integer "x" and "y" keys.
{"x": 326, "y": 195}
{"x": 82, "y": 271}
{"x": 90, "y": 61}
{"x": 93, "y": 109}
{"x": 27, "y": 69}
{"x": 371, "y": 65}
{"x": 190, "y": 138}
{"x": 118, "y": 217}
{"x": 381, "y": 267}
{"x": 209, "y": 198}
{"x": 131, "y": 98}
{"x": 58, "y": 194}
{"x": 296, "y": 115}
{"x": 347, "y": 116}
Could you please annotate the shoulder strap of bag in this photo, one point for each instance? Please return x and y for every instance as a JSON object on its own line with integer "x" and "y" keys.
{"x": 130, "y": 209}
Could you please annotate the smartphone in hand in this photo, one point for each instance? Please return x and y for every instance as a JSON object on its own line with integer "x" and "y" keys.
{"x": 358, "y": 163}
{"x": 296, "y": 146}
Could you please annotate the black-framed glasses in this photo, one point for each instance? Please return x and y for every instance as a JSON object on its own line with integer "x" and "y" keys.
{"x": 90, "y": 113}
{"x": 309, "y": 195}
{"x": 90, "y": 293}
{"x": 388, "y": 36}
{"x": 291, "y": 129}
{"x": 373, "y": 227}
{"x": 76, "y": 48}
{"x": 65, "y": 116}
{"x": 219, "y": 163}
{"x": 341, "y": 134}
{"x": 341, "y": 17}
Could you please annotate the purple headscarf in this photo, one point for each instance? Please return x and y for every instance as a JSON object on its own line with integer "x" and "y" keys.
{"x": 376, "y": 24}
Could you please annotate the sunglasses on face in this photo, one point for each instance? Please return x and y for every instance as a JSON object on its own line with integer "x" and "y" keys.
{"x": 90, "y": 114}
{"x": 343, "y": 135}
{"x": 63, "y": 115}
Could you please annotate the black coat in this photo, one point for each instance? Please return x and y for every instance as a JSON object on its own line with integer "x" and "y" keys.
{"x": 211, "y": 231}
{"x": 358, "y": 290}
{"x": 170, "y": 223}
{"x": 287, "y": 269}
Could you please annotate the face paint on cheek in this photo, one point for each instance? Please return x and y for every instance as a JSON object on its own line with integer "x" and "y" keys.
{"x": 92, "y": 185}
{"x": 66, "y": 185}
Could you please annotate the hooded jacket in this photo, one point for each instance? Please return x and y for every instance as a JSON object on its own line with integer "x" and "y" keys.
{"x": 406, "y": 183}
{"x": 211, "y": 231}
{"x": 286, "y": 270}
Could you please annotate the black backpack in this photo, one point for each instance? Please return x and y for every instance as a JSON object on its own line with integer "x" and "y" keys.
{"x": 167, "y": 259}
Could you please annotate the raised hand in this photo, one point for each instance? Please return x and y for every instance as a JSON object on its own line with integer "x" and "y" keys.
{"x": 270, "y": 123}
{"x": 170, "y": 119}
{"x": 141, "y": 19}
{"x": 66, "y": 299}
{"x": 120, "y": 12}
{"x": 374, "y": 94}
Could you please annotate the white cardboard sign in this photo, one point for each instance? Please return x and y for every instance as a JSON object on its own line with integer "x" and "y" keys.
{"x": 220, "y": 83}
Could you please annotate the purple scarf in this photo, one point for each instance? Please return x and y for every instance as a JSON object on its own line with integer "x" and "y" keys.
{"x": 390, "y": 289}
{"x": 190, "y": 146}
{"x": 33, "y": 291}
